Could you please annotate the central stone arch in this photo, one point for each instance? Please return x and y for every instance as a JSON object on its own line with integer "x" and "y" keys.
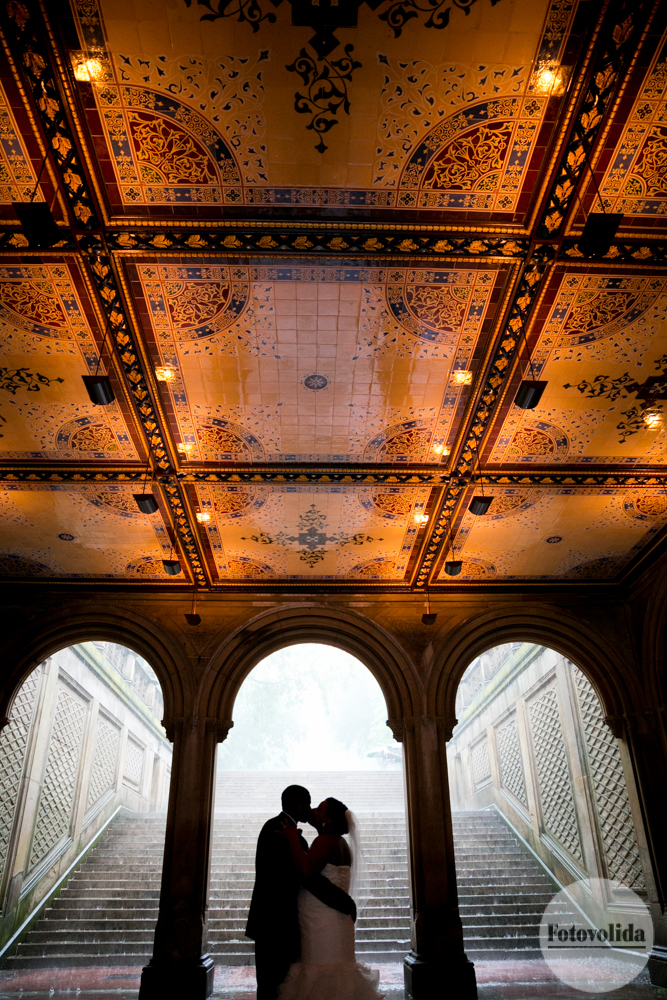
{"x": 231, "y": 663}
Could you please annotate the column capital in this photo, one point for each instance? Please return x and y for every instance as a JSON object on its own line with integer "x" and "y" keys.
{"x": 637, "y": 723}
{"x": 401, "y": 727}
{"x": 220, "y": 727}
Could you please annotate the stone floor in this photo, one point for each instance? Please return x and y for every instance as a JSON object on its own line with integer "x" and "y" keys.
{"x": 496, "y": 981}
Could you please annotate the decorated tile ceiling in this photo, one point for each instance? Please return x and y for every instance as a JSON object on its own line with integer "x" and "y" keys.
{"x": 317, "y": 246}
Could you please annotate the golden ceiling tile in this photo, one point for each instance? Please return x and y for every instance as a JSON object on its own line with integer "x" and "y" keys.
{"x": 46, "y": 345}
{"x": 557, "y": 534}
{"x": 602, "y": 348}
{"x": 71, "y": 532}
{"x": 17, "y": 176}
{"x": 307, "y": 532}
{"x": 316, "y": 363}
{"x": 201, "y": 110}
{"x": 633, "y": 182}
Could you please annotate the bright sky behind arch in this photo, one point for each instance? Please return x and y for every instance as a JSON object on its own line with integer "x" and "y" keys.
{"x": 308, "y": 707}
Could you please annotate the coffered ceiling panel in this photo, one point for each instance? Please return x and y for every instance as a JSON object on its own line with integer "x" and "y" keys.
{"x": 49, "y": 338}
{"x": 600, "y": 342}
{"x": 79, "y": 532}
{"x": 312, "y": 532}
{"x": 630, "y": 170}
{"x": 315, "y": 361}
{"x": 198, "y": 105}
{"x": 318, "y": 245}
{"x": 558, "y": 534}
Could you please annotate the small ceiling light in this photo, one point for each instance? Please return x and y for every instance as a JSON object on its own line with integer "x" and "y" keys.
{"x": 66, "y": 537}
{"x": 193, "y": 619}
{"x": 165, "y": 374}
{"x": 599, "y": 233}
{"x": 529, "y": 394}
{"x": 38, "y": 224}
{"x": 146, "y": 502}
{"x": 100, "y": 390}
{"x": 653, "y": 418}
{"x": 453, "y": 567}
{"x": 461, "y": 378}
{"x": 172, "y": 567}
{"x": 203, "y": 516}
{"x": 86, "y": 68}
{"x": 421, "y": 518}
{"x": 480, "y": 505}
{"x": 554, "y": 539}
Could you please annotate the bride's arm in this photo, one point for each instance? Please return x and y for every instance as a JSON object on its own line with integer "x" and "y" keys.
{"x": 314, "y": 861}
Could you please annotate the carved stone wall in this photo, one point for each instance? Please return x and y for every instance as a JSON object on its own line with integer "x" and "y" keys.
{"x": 62, "y": 765}
{"x": 75, "y": 749}
{"x": 13, "y": 746}
{"x": 611, "y": 795}
{"x": 543, "y": 730}
{"x": 105, "y": 759}
{"x": 554, "y": 779}
{"x": 509, "y": 759}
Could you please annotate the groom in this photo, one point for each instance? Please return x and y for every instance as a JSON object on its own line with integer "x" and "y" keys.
{"x": 273, "y": 921}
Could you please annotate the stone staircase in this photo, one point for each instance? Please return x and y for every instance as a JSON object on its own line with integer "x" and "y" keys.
{"x": 106, "y": 914}
{"x": 502, "y": 890}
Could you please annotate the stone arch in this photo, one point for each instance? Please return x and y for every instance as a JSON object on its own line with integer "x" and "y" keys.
{"x": 600, "y": 660}
{"x": 654, "y": 637}
{"x": 376, "y": 649}
{"x": 30, "y": 647}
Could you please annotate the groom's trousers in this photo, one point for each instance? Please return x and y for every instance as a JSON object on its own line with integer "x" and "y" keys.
{"x": 271, "y": 967}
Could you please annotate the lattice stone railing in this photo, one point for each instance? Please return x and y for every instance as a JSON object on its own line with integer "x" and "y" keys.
{"x": 611, "y": 796}
{"x": 555, "y": 786}
{"x": 13, "y": 745}
{"x": 105, "y": 758}
{"x": 55, "y": 803}
{"x": 509, "y": 759}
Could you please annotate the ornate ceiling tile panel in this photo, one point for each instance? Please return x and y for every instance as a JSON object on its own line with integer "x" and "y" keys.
{"x": 254, "y": 112}
{"x": 630, "y": 173}
{"x": 49, "y": 338}
{"x": 315, "y": 362}
{"x": 601, "y": 345}
{"x": 17, "y": 175}
{"x": 79, "y": 532}
{"x": 304, "y": 532}
{"x": 557, "y": 534}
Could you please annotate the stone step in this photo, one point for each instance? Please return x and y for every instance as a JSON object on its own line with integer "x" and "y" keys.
{"x": 106, "y": 914}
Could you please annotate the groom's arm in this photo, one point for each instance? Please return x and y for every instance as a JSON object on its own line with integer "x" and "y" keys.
{"x": 330, "y": 894}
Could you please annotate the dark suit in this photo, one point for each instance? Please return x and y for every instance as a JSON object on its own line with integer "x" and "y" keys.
{"x": 273, "y": 920}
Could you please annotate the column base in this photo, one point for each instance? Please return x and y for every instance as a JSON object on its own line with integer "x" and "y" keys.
{"x": 426, "y": 979}
{"x": 164, "y": 981}
{"x": 657, "y": 966}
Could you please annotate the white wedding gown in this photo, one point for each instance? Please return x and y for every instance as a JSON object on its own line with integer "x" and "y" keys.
{"x": 328, "y": 969}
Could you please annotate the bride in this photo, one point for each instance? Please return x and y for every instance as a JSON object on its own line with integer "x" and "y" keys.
{"x": 328, "y": 969}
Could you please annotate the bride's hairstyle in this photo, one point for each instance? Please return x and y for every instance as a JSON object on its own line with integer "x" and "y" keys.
{"x": 336, "y": 814}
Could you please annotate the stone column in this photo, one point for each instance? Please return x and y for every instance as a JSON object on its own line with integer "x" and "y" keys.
{"x": 437, "y": 961}
{"x": 180, "y": 966}
{"x": 645, "y": 735}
